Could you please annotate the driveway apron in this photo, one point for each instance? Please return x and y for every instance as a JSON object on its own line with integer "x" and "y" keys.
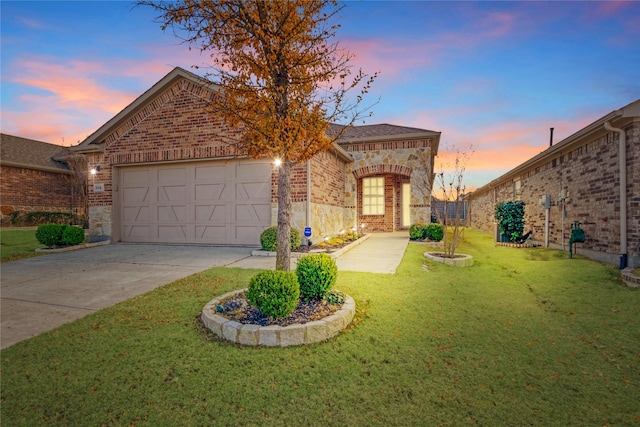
{"x": 39, "y": 294}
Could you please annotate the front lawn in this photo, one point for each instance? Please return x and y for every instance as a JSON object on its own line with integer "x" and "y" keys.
{"x": 524, "y": 337}
{"x": 18, "y": 243}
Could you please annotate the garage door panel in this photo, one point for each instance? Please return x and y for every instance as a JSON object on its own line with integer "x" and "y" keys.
{"x": 174, "y": 213}
{"x": 171, "y": 193}
{"x": 135, "y": 194}
{"x": 172, "y": 233}
{"x": 215, "y": 214}
{"x": 137, "y": 233}
{"x": 208, "y": 233}
{"x": 209, "y": 192}
{"x": 135, "y": 214}
{"x": 201, "y": 202}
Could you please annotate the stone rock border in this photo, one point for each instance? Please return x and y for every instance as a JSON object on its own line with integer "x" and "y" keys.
{"x": 630, "y": 279}
{"x": 334, "y": 254}
{"x": 462, "y": 260}
{"x": 275, "y": 335}
{"x": 74, "y": 247}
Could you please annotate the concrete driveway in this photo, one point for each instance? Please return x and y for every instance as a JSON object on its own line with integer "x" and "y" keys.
{"x": 42, "y": 293}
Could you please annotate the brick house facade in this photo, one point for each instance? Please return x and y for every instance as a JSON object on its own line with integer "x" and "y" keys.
{"x": 34, "y": 178}
{"x": 167, "y": 176}
{"x": 581, "y": 174}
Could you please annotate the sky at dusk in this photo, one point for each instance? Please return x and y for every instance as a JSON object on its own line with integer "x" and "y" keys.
{"x": 493, "y": 77}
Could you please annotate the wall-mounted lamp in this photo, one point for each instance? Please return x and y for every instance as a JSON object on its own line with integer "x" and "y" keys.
{"x": 95, "y": 170}
{"x": 277, "y": 162}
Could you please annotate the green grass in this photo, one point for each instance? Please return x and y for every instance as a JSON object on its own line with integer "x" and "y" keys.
{"x": 524, "y": 337}
{"x": 18, "y": 243}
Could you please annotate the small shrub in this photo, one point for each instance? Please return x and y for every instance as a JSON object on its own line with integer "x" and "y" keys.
{"x": 50, "y": 235}
{"x": 334, "y": 297}
{"x": 269, "y": 238}
{"x": 434, "y": 232}
{"x": 72, "y": 236}
{"x": 275, "y": 293}
{"x": 418, "y": 231}
{"x": 316, "y": 273}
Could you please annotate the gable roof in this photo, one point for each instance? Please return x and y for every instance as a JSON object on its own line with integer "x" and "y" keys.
{"x": 31, "y": 154}
{"x": 95, "y": 141}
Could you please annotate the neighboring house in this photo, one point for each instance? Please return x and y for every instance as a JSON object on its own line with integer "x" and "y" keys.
{"x": 34, "y": 177}
{"x": 167, "y": 176}
{"x": 582, "y": 177}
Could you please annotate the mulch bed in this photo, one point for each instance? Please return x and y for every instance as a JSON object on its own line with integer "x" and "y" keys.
{"x": 239, "y": 309}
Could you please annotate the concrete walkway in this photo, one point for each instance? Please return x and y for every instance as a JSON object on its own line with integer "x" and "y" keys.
{"x": 39, "y": 294}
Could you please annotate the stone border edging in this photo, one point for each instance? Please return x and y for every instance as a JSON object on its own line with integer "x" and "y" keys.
{"x": 74, "y": 247}
{"x": 629, "y": 279}
{"x": 333, "y": 255}
{"x": 274, "y": 335}
{"x": 462, "y": 260}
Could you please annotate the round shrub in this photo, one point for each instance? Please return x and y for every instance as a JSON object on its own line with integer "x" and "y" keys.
{"x": 50, "y": 235}
{"x": 269, "y": 238}
{"x": 72, "y": 236}
{"x": 316, "y": 273}
{"x": 418, "y": 231}
{"x": 434, "y": 232}
{"x": 275, "y": 293}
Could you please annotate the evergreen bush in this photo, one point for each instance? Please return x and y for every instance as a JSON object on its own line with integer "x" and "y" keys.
{"x": 275, "y": 293}
{"x": 72, "y": 236}
{"x": 316, "y": 273}
{"x": 434, "y": 232}
{"x": 418, "y": 231}
{"x": 269, "y": 238}
{"x": 50, "y": 235}
{"x": 510, "y": 216}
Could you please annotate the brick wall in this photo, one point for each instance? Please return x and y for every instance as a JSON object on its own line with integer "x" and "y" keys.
{"x": 29, "y": 190}
{"x": 589, "y": 171}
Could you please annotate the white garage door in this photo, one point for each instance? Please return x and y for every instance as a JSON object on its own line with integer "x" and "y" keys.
{"x": 220, "y": 202}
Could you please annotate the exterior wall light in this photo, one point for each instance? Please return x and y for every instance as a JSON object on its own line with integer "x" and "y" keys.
{"x": 277, "y": 162}
{"x": 95, "y": 170}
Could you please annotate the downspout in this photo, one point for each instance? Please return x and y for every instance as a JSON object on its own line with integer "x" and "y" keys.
{"x": 308, "y": 204}
{"x": 622, "y": 158}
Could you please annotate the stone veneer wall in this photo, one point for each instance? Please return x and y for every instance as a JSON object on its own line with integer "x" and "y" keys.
{"x": 589, "y": 172}
{"x": 398, "y": 161}
{"x": 29, "y": 190}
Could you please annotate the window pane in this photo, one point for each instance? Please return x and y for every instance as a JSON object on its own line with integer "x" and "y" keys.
{"x": 373, "y": 196}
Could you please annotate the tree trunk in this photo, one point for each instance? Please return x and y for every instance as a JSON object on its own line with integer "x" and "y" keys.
{"x": 283, "y": 250}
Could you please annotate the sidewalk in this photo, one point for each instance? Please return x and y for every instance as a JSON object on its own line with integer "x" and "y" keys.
{"x": 380, "y": 253}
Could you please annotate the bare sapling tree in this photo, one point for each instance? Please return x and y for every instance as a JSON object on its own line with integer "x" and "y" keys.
{"x": 77, "y": 180}
{"x": 282, "y": 79}
{"x": 452, "y": 195}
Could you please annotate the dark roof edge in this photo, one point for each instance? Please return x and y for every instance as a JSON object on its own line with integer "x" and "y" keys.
{"x": 34, "y": 167}
{"x": 397, "y": 137}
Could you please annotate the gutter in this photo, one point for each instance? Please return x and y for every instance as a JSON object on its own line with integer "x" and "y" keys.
{"x": 622, "y": 159}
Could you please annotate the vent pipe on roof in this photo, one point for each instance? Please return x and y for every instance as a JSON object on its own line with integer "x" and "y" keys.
{"x": 550, "y": 137}
{"x": 622, "y": 159}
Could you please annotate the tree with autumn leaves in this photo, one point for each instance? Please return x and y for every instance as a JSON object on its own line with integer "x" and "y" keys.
{"x": 283, "y": 79}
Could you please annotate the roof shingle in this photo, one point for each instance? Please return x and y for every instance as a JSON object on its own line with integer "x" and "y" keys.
{"x": 30, "y": 153}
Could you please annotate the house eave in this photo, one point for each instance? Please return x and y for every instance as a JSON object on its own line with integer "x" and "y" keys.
{"x": 34, "y": 167}
{"x": 398, "y": 137}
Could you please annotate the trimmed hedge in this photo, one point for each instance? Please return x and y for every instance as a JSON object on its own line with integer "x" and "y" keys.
{"x": 52, "y": 235}
{"x": 269, "y": 238}
{"x": 275, "y": 293}
{"x": 433, "y": 231}
{"x": 316, "y": 273}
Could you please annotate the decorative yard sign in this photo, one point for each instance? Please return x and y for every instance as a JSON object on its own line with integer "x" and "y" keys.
{"x": 98, "y": 188}
{"x": 307, "y": 232}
